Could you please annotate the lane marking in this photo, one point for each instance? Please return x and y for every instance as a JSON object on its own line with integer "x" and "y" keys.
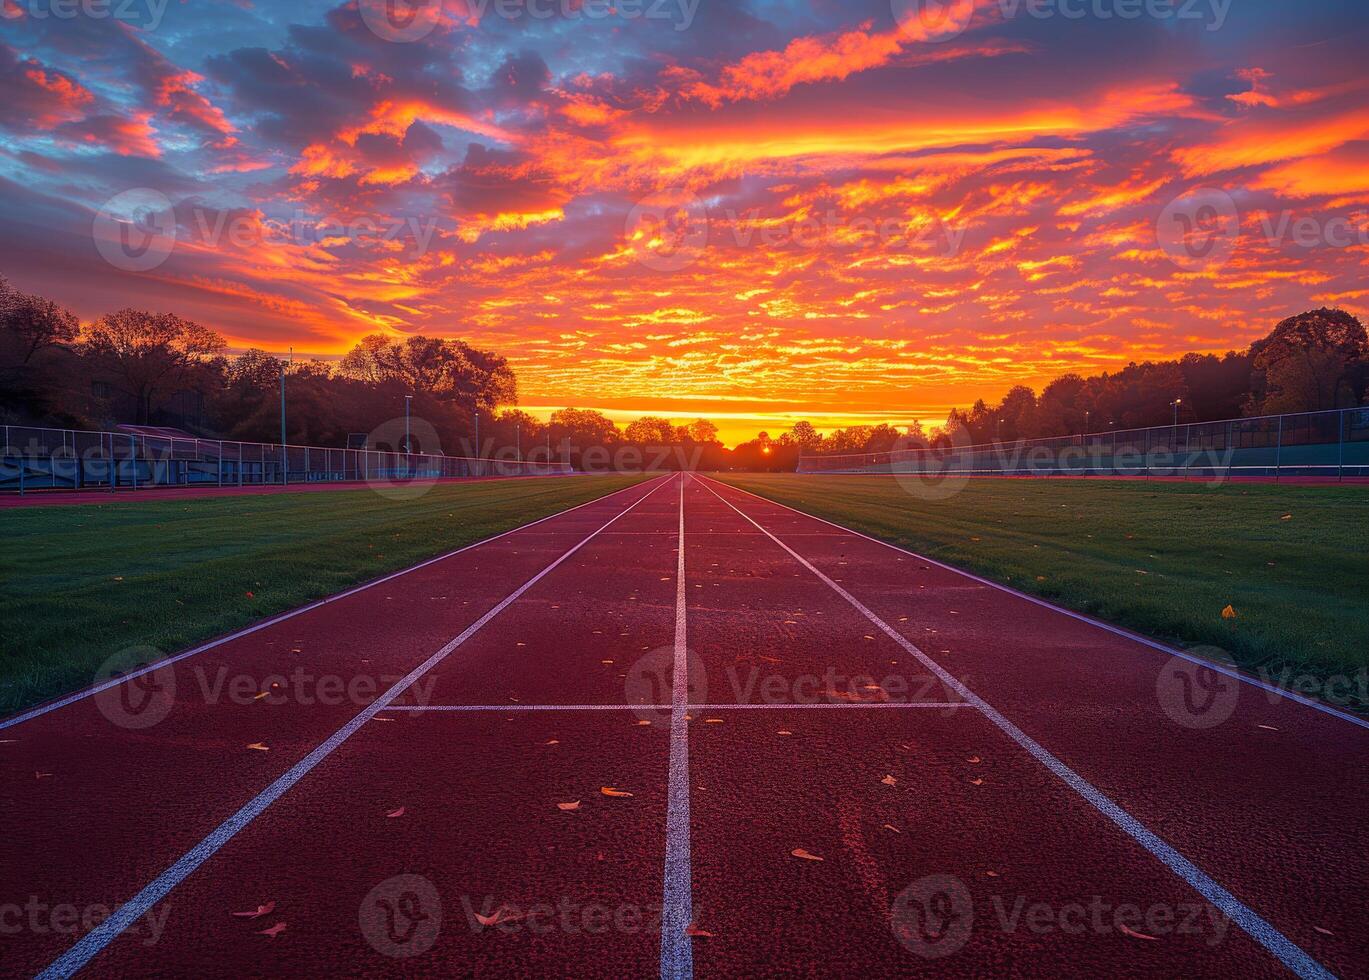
{"x": 677, "y": 949}
{"x": 778, "y": 706}
{"x": 135, "y": 908}
{"x": 289, "y": 614}
{"x": 1080, "y": 617}
{"x": 1288, "y": 952}
{"x": 833, "y": 705}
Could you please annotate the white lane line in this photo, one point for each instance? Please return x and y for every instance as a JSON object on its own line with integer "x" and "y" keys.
{"x": 282, "y": 617}
{"x": 1081, "y": 617}
{"x": 677, "y": 950}
{"x": 833, "y": 705}
{"x": 777, "y": 706}
{"x": 131, "y": 911}
{"x": 1288, "y": 952}
{"x": 417, "y": 709}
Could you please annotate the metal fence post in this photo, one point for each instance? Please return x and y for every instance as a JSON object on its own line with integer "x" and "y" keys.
{"x": 1340, "y": 445}
{"x": 133, "y": 455}
{"x": 1278, "y": 453}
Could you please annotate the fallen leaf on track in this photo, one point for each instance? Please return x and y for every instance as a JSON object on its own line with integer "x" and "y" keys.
{"x": 889, "y": 826}
{"x": 501, "y": 914}
{"x": 262, "y": 695}
{"x": 976, "y": 782}
{"x": 713, "y": 721}
{"x": 1229, "y": 612}
{"x": 784, "y": 731}
{"x": 1270, "y": 728}
{"x": 1134, "y": 934}
{"x": 800, "y": 853}
{"x": 889, "y": 781}
{"x": 42, "y": 775}
{"x": 610, "y": 791}
{"x": 973, "y": 760}
{"x": 259, "y": 747}
{"x": 274, "y": 931}
{"x": 1286, "y": 517}
{"x": 393, "y": 814}
{"x": 694, "y": 930}
{"x": 257, "y": 913}
{"x": 1324, "y": 932}
{"x": 643, "y": 721}
{"x": 568, "y": 806}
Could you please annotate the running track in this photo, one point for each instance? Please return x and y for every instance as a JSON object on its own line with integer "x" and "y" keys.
{"x": 992, "y": 786}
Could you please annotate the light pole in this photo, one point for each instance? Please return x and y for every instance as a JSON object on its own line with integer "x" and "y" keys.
{"x": 1087, "y": 413}
{"x": 518, "y": 440}
{"x": 284, "y": 458}
{"x": 408, "y": 401}
{"x": 1175, "y": 405}
{"x": 477, "y": 441}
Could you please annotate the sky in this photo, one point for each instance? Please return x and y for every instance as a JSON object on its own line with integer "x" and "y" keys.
{"x": 749, "y": 210}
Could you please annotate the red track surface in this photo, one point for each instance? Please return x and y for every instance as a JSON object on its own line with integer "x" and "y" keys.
{"x": 1271, "y": 804}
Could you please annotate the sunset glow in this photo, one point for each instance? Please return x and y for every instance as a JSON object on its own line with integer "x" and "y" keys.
{"x": 752, "y": 211}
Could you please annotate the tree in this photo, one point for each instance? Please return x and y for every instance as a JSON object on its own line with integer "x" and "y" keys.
{"x": 30, "y": 325}
{"x": 703, "y": 432}
{"x": 1311, "y": 362}
{"x": 802, "y": 436}
{"x": 449, "y": 370}
{"x": 650, "y": 430}
{"x": 148, "y": 355}
{"x": 584, "y": 427}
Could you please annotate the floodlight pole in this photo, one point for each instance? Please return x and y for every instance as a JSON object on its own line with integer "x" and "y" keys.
{"x": 284, "y": 455}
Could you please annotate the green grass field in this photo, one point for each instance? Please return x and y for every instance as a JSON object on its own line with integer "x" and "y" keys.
{"x": 1161, "y": 558}
{"x": 80, "y": 583}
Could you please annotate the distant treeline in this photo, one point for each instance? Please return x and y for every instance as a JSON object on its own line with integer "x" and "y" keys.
{"x": 134, "y": 366}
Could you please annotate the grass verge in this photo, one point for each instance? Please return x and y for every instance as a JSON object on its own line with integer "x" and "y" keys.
{"x": 1163, "y": 559}
{"x": 79, "y": 583}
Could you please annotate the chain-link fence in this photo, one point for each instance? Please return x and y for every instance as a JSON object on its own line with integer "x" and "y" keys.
{"x": 1326, "y": 445}
{"x": 66, "y": 459}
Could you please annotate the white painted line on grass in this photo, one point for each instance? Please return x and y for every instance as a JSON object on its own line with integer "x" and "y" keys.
{"x": 135, "y": 908}
{"x": 677, "y": 950}
{"x": 1081, "y": 617}
{"x": 1288, "y": 952}
{"x": 44, "y": 709}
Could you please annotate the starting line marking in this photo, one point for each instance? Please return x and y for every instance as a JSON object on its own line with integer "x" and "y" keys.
{"x": 768, "y": 706}
{"x": 127, "y": 914}
{"x": 1255, "y": 926}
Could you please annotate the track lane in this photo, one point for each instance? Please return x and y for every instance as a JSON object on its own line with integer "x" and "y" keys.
{"x": 1287, "y": 842}
{"x": 483, "y": 789}
{"x": 137, "y": 797}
